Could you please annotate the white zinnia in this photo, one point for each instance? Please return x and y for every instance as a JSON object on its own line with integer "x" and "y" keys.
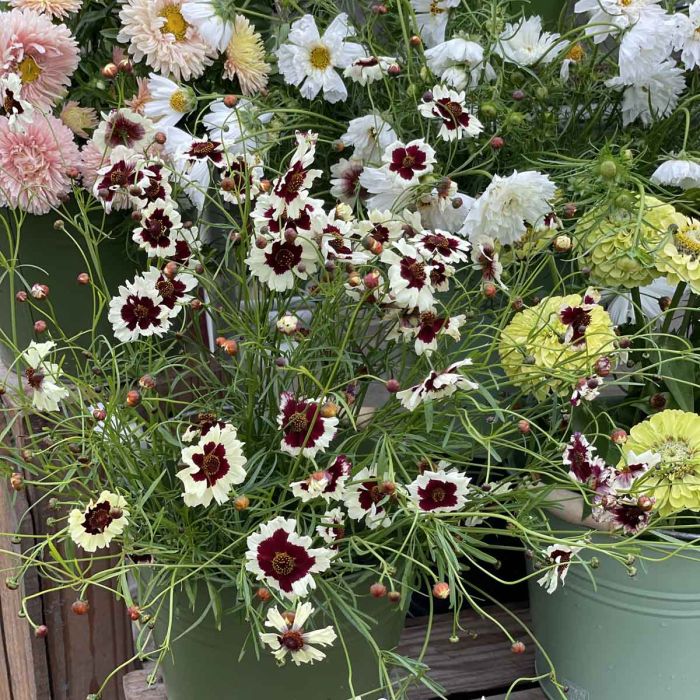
{"x": 526, "y": 44}
{"x": 507, "y": 204}
{"x": 309, "y": 60}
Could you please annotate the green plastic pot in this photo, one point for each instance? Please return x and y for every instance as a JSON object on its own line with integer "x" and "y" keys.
{"x": 38, "y": 253}
{"x": 206, "y": 662}
{"x": 626, "y": 637}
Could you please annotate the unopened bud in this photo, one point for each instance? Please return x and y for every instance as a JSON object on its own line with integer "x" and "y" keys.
{"x": 619, "y": 436}
{"x": 230, "y": 101}
{"x": 133, "y": 398}
{"x": 441, "y": 590}
{"x": 377, "y": 590}
{"x": 40, "y": 326}
{"x": 241, "y": 503}
{"x": 109, "y": 71}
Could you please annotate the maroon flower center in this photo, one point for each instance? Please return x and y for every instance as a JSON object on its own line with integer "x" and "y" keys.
{"x": 414, "y": 272}
{"x": 407, "y": 161}
{"x": 212, "y": 463}
{"x": 380, "y": 233}
{"x": 371, "y": 494}
{"x": 437, "y": 242}
{"x": 452, "y": 113}
{"x": 156, "y": 228}
{"x": 578, "y": 319}
{"x": 292, "y": 640}
{"x": 437, "y": 494}
{"x": 205, "y": 149}
{"x": 283, "y": 563}
{"x": 10, "y": 105}
{"x": 141, "y": 312}
{"x": 97, "y": 518}
{"x": 123, "y": 132}
{"x": 34, "y": 378}
{"x": 165, "y": 288}
{"x": 298, "y": 423}
{"x": 284, "y": 256}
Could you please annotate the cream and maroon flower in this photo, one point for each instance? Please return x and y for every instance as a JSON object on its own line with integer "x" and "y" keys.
{"x": 558, "y": 557}
{"x": 305, "y": 430}
{"x": 124, "y": 127}
{"x": 43, "y": 376}
{"x": 449, "y": 106}
{"x": 635, "y": 466}
{"x": 328, "y": 484}
{"x": 153, "y": 184}
{"x": 332, "y": 526}
{"x": 159, "y": 225}
{"x": 367, "y": 497}
{"x": 431, "y": 326}
{"x": 369, "y": 69}
{"x": 97, "y": 525}
{"x": 281, "y": 262}
{"x": 291, "y": 638}
{"x": 12, "y": 105}
{"x": 123, "y": 173}
{"x": 345, "y": 181}
{"x": 138, "y": 311}
{"x": 409, "y": 276}
{"x": 285, "y": 560}
{"x": 174, "y": 291}
{"x": 383, "y": 226}
{"x": 437, "y": 385}
{"x": 339, "y": 242}
{"x": 201, "y": 425}
{"x": 443, "y": 246}
{"x": 439, "y": 491}
{"x": 240, "y": 180}
{"x": 629, "y": 513}
{"x": 585, "y": 467}
{"x": 409, "y": 162}
{"x": 212, "y": 466}
{"x": 578, "y": 318}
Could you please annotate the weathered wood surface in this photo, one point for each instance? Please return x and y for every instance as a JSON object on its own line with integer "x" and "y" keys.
{"x": 480, "y": 662}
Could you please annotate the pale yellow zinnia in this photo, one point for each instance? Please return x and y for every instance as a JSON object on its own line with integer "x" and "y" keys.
{"x": 245, "y": 57}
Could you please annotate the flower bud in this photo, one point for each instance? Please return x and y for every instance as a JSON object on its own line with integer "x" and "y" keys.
{"x": 83, "y": 278}
{"x": 490, "y": 290}
{"x": 39, "y": 291}
{"x": 263, "y": 594}
{"x": 371, "y": 280}
{"x": 147, "y": 382}
{"x": 657, "y": 401}
{"x": 99, "y": 414}
{"x": 562, "y": 243}
{"x": 329, "y": 409}
{"x": 394, "y": 69}
{"x": 241, "y": 503}
{"x": 392, "y": 386}
{"x": 377, "y": 590}
{"x": 645, "y": 503}
{"x": 427, "y": 96}
{"x": 497, "y": 143}
{"x": 607, "y": 169}
{"x": 619, "y": 436}
{"x": 161, "y": 138}
{"x": 261, "y": 242}
{"x": 415, "y": 41}
{"x": 80, "y": 607}
{"x": 603, "y": 366}
{"x": 17, "y": 481}
{"x": 134, "y": 612}
{"x": 170, "y": 269}
{"x": 116, "y": 513}
{"x": 524, "y": 426}
{"x": 379, "y": 8}
{"x": 133, "y": 398}
{"x": 230, "y": 101}
{"x": 21, "y": 296}
{"x": 40, "y": 326}
{"x": 41, "y": 631}
{"x": 12, "y": 583}
{"x": 518, "y": 648}
{"x": 109, "y": 71}
{"x": 518, "y": 95}
{"x": 230, "y": 347}
{"x": 394, "y": 596}
{"x": 441, "y": 590}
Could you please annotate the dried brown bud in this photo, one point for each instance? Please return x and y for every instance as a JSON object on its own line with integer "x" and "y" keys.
{"x": 147, "y": 382}
{"x": 329, "y": 409}
{"x": 17, "y": 481}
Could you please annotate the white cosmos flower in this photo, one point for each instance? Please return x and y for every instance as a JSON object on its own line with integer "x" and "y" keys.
{"x": 169, "y": 102}
{"x": 366, "y": 498}
{"x": 449, "y": 106}
{"x": 502, "y": 211}
{"x": 43, "y": 376}
{"x": 309, "y": 60}
{"x": 285, "y": 560}
{"x": 678, "y": 173}
{"x": 439, "y": 491}
{"x": 369, "y": 136}
{"x": 686, "y": 37}
{"x": 526, "y": 44}
{"x": 212, "y": 466}
{"x": 432, "y": 16}
{"x": 385, "y": 191}
{"x": 138, "y": 311}
{"x": 620, "y": 306}
{"x": 205, "y": 15}
{"x": 558, "y": 558}
{"x": 437, "y": 385}
{"x": 18, "y": 111}
{"x": 235, "y": 126}
{"x": 291, "y": 638}
{"x": 409, "y": 276}
{"x": 458, "y": 62}
{"x": 104, "y": 519}
{"x": 617, "y": 14}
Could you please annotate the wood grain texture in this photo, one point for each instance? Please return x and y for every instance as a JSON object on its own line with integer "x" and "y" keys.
{"x": 481, "y": 662}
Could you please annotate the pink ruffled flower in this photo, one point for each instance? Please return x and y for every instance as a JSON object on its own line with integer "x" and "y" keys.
{"x": 44, "y": 54}
{"x": 34, "y": 164}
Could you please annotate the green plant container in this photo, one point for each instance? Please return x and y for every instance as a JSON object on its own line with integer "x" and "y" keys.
{"x": 38, "y": 253}
{"x": 627, "y": 638}
{"x": 206, "y": 662}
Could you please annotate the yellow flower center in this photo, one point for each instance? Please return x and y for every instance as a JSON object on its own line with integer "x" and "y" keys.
{"x": 435, "y": 8}
{"x": 626, "y": 3}
{"x": 687, "y": 241}
{"x": 576, "y": 53}
{"x": 180, "y": 101}
{"x": 320, "y": 57}
{"x": 29, "y": 70}
{"x": 175, "y": 23}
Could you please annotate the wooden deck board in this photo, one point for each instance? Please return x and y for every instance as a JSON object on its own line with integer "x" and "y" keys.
{"x": 480, "y": 662}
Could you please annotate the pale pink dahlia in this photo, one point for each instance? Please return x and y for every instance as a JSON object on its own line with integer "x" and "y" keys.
{"x": 157, "y": 31}
{"x": 43, "y": 54}
{"x": 34, "y": 164}
{"x": 53, "y": 8}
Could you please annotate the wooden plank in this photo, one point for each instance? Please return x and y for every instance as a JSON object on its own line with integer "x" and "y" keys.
{"x": 480, "y": 662}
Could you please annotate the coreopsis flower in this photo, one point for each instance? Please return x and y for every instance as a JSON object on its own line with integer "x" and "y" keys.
{"x": 309, "y": 60}
{"x": 345, "y": 181}
{"x": 126, "y": 128}
{"x": 681, "y": 173}
{"x": 241, "y": 179}
{"x": 153, "y": 183}
{"x": 679, "y": 257}
{"x": 629, "y": 513}
{"x": 383, "y": 226}
{"x": 525, "y": 43}
{"x": 367, "y": 497}
{"x": 291, "y": 638}
{"x": 502, "y": 211}
{"x": 174, "y": 291}
{"x": 285, "y": 560}
{"x": 621, "y": 248}
{"x": 328, "y": 484}
{"x": 56, "y": 9}
{"x": 634, "y": 467}
{"x": 157, "y": 31}
{"x": 674, "y": 481}
{"x": 457, "y": 62}
{"x": 245, "y": 57}
{"x": 535, "y": 354}
{"x": 169, "y": 102}
{"x": 450, "y": 108}
{"x": 369, "y": 136}
{"x": 332, "y": 526}
{"x": 17, "y": 110}
{"x": 586, "y": 389}
{"x": 577, "y": 318}
{"x": 558, "y": 558}
{"x": 212, "y": 466}
{"x": 409, "y": 162}
{"x": 338, "y": 241}
{"x": 585, "y": 467}
{"x": 158, "y": 229}
{"x": 201, "y": 425}
{"x": 34, "y": 163}
{"x": 437, "y": 385}
{"x": 42, "y": 53}
{"x": 409, "y": 275}
{"x": 486, "y": 260}
{"x": 138, "y": 311}
{"x": 304, "y": 429}
{"x": 609, "y": 16}
{"x": 686, "y": 38}
{"x": 103, "y": 519}
{"x": 307, "y": 224}
{"x": 432, "y": 16}
{"x": 43, "y": 376}
{"x": 439, "y": 491}
{"x": 213, "y": 20}
{"x": 368, "y": 69}
{"x": 80, "y": 120}
{"x": 122, "y": 173}
{"x": 426, "y": 329}
{"x": 441, "y": 245}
